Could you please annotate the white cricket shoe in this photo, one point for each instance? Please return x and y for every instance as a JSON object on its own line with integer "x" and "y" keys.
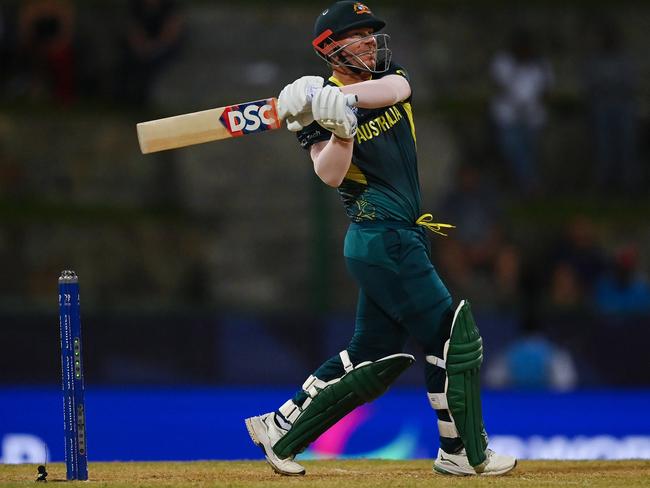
{"x": 265, "y": 433}
{"x": 457, "y": 464}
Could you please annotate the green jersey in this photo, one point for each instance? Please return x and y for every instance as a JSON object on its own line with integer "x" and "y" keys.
{"x": 382, "y": 183}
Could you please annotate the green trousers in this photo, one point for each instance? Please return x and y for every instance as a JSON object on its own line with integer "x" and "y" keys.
{"x": 400, "y": 292}
{"x": 401, "y": 296}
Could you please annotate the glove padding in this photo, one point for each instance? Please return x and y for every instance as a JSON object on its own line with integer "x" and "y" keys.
{"x": 294, "y": 102}
{"x": 299, "y": 122}
{"x": 331, "y": 109}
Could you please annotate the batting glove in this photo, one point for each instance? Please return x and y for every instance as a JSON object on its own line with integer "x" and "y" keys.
{"x": 332, "y": 109}
{"x": 294, "y": 101}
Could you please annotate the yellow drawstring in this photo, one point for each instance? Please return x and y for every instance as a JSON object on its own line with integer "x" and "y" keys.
{"x": 426, "y": 220}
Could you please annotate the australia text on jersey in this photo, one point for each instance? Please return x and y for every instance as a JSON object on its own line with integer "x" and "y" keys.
{"x": 379, "y": 124}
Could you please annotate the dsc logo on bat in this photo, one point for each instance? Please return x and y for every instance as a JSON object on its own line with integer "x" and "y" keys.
{"x": 250, "y": 117}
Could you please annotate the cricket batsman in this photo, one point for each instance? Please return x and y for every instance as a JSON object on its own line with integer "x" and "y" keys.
{"x": 368, "y": 153}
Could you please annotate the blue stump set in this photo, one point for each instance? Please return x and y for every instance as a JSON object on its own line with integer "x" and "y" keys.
{"x": 72, "y": 378}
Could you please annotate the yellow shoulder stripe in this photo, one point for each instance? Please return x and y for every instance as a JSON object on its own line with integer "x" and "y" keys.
{"x": 409, "y": 114}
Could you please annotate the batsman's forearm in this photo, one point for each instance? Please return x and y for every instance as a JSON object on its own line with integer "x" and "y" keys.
{"x": 379, "y": 93}
{"x": 332, "y": 160}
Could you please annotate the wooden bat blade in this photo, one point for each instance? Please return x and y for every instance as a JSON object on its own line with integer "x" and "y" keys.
{"x": 208, "y": 125}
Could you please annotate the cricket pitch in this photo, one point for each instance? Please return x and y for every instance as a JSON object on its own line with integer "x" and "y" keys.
{"x": 337, "y": 474}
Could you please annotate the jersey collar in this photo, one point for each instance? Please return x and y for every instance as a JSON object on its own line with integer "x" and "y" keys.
{"x": 336, "y": 81}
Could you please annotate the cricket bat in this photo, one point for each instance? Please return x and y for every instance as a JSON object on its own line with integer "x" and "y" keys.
{"x": 208, "y": 125}
{"x": 212, "y": 125}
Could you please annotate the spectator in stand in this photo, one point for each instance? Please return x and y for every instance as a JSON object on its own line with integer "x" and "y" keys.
{"x": 522, "y": 79}
{"x": 565, "y": 289}
{"x": 532, "y": 362}
{"x": 611, "y": 83}
{"x": 153, "y": 36}
{"x": 579, "y": 253}
{"x": 45, "y": 63}
{"x": 507, "y": 277}
{"x": 468, "y": 254}
{"x": 624, "y": 289}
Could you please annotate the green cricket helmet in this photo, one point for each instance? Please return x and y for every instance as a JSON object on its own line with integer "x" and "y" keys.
{"x": 343, "y": 17}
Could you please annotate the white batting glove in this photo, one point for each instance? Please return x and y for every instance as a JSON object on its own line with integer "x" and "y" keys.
{"x": 299, "y": 122}
{"x": 332, "y": 110}
{"x": 294, "y": 101}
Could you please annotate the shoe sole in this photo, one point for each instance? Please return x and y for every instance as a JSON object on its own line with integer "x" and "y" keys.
{"x": 441, "y": 470}
{"x": 260, "y": 444}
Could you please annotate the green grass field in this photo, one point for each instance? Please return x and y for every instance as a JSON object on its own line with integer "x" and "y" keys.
{"x": 339, "y": 474}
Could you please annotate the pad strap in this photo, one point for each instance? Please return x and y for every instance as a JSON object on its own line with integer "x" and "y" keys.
{"x": 436, "y": 361}
{"x": 345, "y": 359}
{"x": 447, "y": 429}
{"x": 290, "y": 411}
{"x": 313, "y": 385}
{"x": 438, "y": 401}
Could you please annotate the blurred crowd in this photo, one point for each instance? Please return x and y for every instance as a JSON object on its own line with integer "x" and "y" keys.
{"x": 576, "y": 270}
{"x": 517, "y": 250}
{"x": 578, "y": 264}
{"x": 45, "y": 54}
{"x": 523, "y": 78}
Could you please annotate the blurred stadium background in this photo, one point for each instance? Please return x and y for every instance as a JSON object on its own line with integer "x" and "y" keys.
{"x": 211, "y": 277}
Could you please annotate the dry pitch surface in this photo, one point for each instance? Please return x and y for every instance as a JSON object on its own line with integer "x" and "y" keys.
{"x": 339, "y": 474}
